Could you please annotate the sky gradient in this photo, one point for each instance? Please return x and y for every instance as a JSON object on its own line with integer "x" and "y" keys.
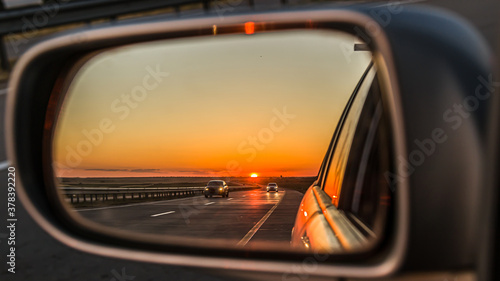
{"x": 227, "y": 105}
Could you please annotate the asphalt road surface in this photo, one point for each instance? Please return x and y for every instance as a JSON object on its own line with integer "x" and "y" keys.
{"x": 244, "y": 218}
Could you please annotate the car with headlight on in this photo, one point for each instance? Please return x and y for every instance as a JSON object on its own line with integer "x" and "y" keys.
{"x": 216, "y": 187}
{"x": 272, "y": 186}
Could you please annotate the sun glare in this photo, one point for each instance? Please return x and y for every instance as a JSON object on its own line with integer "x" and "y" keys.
{"x": 254, "y": 175}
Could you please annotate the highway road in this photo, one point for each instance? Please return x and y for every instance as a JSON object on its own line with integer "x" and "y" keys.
{"x": 245, "y": 218}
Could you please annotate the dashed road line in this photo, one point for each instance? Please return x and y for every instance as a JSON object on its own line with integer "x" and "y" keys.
{"x": 136, "y": 204}
{"x": 161, "y": 214}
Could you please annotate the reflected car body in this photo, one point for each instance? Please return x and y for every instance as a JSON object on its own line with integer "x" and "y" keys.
{"x": 216, "y": 187}
{"x": 346, "y": 206}
{"x": 272, "y": 186}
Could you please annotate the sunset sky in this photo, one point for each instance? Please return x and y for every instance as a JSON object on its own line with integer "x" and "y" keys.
{"x": 228, "y": 105}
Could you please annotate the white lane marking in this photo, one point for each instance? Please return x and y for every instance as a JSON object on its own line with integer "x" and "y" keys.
{"x": 229, "y": 198}
{"x": 161, "y": 214}
{"x": 209, "y": 203}
{"x": 400, "y": 3}
{"x": 136, "y": 204}
{"x": 257, "y": 226}
{"x": 4, "y": 165}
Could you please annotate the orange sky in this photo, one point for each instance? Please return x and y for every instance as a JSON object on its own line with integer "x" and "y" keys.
{"x": 228, "y": 105}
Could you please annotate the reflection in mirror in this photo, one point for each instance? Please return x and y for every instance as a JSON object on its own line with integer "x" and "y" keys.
{"x": 271, "y": 140}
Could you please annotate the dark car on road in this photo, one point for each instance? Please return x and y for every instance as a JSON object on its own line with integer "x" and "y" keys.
{"x": 216, "y": 187}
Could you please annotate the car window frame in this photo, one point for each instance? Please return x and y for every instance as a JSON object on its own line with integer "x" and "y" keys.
{"x": 327, "y": 161}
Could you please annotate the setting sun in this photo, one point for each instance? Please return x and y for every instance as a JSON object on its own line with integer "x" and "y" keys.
{"x": 277, "y": 126}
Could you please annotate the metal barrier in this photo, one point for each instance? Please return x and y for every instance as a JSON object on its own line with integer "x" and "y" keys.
{"x": 95, "y": 194}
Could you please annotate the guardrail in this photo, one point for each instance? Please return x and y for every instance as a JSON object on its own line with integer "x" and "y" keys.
{"x": 95, "y": 194}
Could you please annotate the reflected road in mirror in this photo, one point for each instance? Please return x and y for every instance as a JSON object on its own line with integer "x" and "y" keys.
{"x": 249, "y": 215}
{"x": 273, "y": 139}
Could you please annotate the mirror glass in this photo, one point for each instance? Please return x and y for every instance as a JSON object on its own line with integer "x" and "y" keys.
{"x": 272, "y": 140}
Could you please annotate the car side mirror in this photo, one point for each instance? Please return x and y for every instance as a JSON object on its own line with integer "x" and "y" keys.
{"x": 117, "y": 137}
